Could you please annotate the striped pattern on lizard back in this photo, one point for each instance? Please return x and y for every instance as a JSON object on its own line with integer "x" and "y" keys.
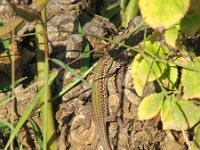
{"x": 99, "y": 98}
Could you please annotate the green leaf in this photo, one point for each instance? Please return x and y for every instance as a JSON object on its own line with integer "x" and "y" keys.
{"x": 37, "y": 132}
{"x": 29, "y": 109}
{"x": 149, "y": 69}
{"x": 85, "y": 55}
{"x": 169, "y": 102}
{"x": 7, "y": 87}
{"x": 179, "y": 115}
{"x": 5, "y": 127}
{"x": 155, "y": 50}
{"x": 21, "y": 146}
{"x": 5, "y": 44}
{"x": 67, "y": 68}
{"x": 154, "y": 36}
{"x": 196, "y": 140}
{"x": 80, "y": 30}
{"x": 190, "y": 80}
{"x": 137, "y": 82}
{"x": 25, "y": 116}
{"x": 1, "y": 21}
{"x": 171, "y": 36}
{"x": 112, "y": 10}
{"x": 130, "y": 12}
{"x": 170, "y": 76}
{"x": 191, "y": 24}
{"x": 150, "y": 106}
{"x": 163, "y": 13}
{"x": 69, "y": 86}
{"x": 182, "y": 61}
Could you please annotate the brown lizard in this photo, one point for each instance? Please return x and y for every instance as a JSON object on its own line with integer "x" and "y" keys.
{"x": 99, "y": 90}
{"x": 99, "y": 98}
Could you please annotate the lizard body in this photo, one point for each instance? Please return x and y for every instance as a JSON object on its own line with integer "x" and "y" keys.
{"x": 99, "y": 88}
{"x": 99, "y": 98}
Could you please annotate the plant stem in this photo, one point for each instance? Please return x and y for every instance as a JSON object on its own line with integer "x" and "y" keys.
{"x": 43, "y": 71}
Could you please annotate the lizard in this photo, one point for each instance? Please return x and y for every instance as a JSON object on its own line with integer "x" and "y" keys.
{"x": 99, "y": 98}
{"x": 99, "y": 90}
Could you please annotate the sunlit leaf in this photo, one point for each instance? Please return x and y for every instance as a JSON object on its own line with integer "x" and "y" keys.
{"x": 170, "y": 76}
{"x": 182, "y": 61}
{"x": 137, "y": 82}
{"x": 171, "y": 36}
{"x": 179, "y": 115}
{"x": 155, "y": 50}
{"x": 190, "y": 80}
{"x": 149, "y": 69}
{"x": 163, "y": 13}
{"x": 196, "y": 140}
{"x": 150, "y": 106}
{"x": 169, "y": 102}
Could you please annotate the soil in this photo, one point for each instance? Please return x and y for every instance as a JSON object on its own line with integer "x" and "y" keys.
{"x": 73, "y": 114}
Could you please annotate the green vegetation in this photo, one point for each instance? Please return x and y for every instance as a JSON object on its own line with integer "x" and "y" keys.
{"x": 170, "y": 66}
